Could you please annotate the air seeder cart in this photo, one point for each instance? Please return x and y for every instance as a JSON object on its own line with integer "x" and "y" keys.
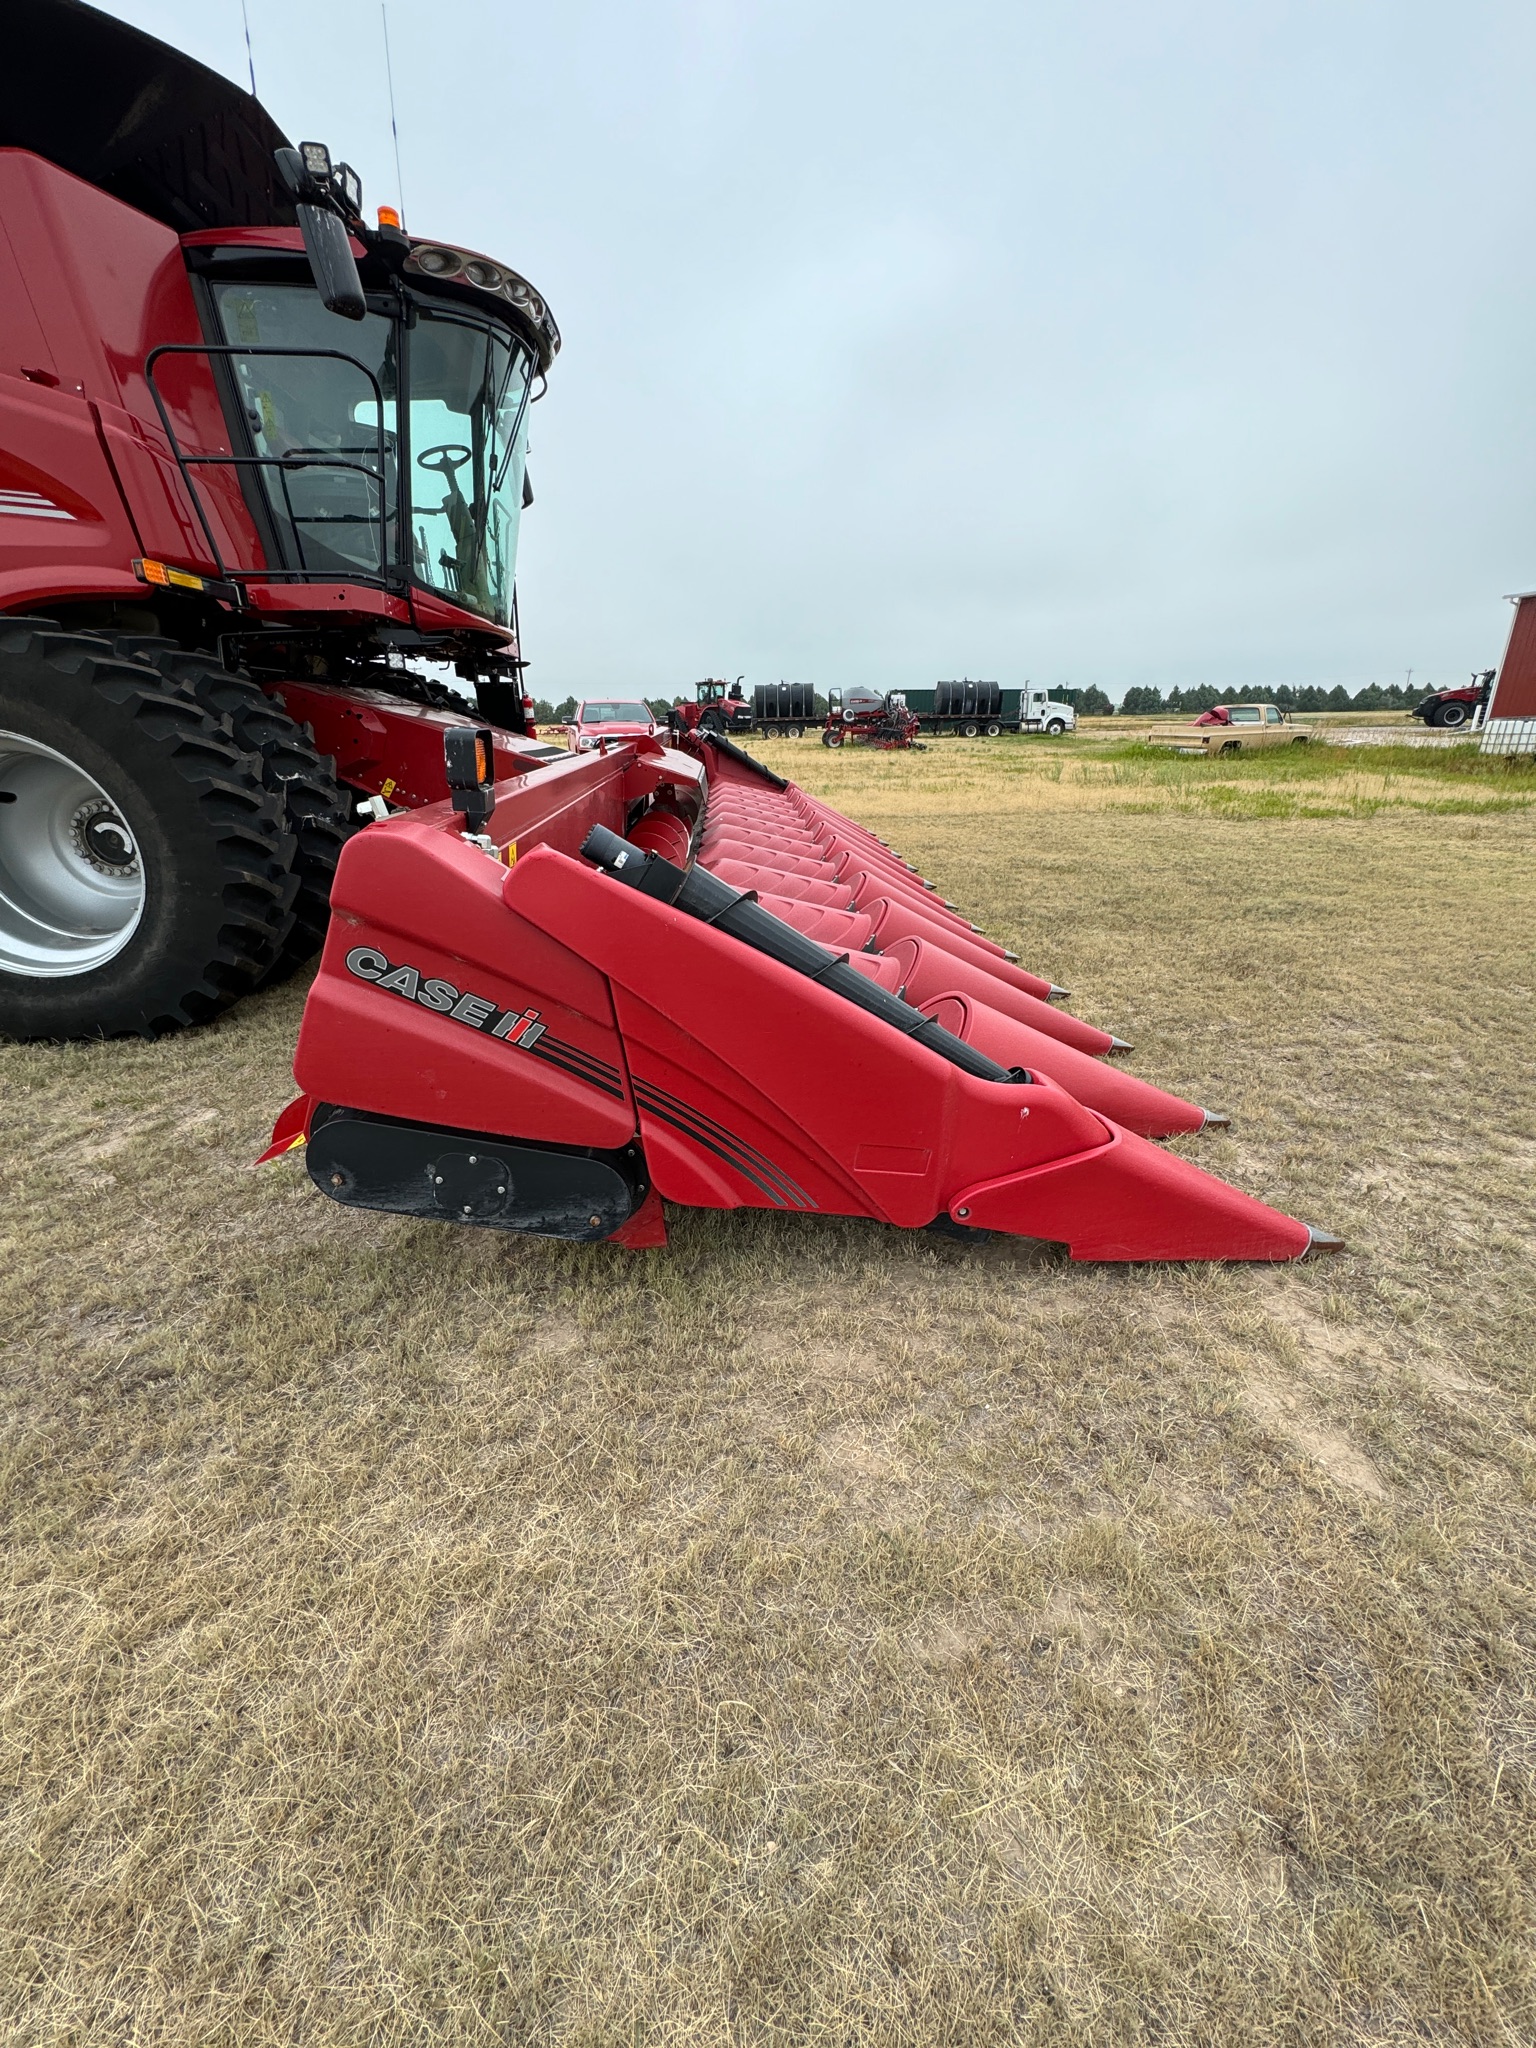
{"x": 870, "y": 718}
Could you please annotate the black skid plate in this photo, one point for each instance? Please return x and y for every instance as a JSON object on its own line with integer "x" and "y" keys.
{"x": 378, "y": 1162}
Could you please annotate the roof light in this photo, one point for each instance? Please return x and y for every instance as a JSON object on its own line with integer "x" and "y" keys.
{"x": 349, "y": 186}
{"x": 389, "y": 217}
{"x": 317, "y": 160}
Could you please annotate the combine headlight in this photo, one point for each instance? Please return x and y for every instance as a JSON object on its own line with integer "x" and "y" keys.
{"x": 431, "y": 259}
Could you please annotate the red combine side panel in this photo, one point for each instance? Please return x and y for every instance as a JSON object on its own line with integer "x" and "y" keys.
{"x": 558, "y": 1019}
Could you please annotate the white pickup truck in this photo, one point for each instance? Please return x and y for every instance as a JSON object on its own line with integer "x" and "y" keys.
{"x": 1040, "y": 712}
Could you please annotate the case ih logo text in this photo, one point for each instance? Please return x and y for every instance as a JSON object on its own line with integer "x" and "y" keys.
{"x": 517, "y": 1027}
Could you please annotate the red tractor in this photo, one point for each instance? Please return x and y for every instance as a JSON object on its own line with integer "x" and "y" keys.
{"x": 871, "y": 719}
{"x": 1455, "y": 708}
{"x": 261, "y": 472}
{"x": 717, "y": 706}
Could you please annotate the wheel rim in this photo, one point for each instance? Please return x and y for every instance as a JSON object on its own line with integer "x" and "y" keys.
{"x": 71, "y": 876}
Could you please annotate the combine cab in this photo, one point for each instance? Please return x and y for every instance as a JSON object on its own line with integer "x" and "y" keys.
{"x": 262, "y": 469}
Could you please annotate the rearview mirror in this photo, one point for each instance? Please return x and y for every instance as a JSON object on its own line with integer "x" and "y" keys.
{"x": 331, "y": 262}
{"x": 326, "y": 242}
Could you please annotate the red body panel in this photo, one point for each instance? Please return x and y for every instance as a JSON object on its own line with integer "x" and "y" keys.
{"x": 103, "y": 284}
{"x": 387, "y": 747}
{"x": 425, "y": 901}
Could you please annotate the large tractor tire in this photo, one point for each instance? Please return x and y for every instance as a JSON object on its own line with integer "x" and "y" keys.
{"x": 1454, "y": 715}
{"x": 146, "y": 877}
{"x": 315, "y": 807}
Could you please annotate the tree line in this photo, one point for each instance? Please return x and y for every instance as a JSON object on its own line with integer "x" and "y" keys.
{"x": 1147, "y": 703}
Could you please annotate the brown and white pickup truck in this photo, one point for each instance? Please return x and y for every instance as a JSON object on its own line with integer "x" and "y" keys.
{"x": 1231, "y": 729}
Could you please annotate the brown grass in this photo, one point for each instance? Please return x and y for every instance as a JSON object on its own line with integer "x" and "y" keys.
{"x": 813, "y": 1634}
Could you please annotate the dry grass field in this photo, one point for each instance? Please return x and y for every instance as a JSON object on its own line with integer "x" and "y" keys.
{"x": 813, "y": 1634}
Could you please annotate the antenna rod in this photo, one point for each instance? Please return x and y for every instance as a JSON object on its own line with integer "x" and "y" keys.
{"x": 394, "y": 129}
{"x": 245, "y": 16}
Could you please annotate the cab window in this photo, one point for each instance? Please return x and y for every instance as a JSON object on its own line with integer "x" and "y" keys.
{"x": 1272, "y": 715}
{"x": 1245, "y": 714}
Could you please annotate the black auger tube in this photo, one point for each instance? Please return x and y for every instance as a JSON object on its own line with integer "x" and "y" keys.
{"x": 705, "y": 897}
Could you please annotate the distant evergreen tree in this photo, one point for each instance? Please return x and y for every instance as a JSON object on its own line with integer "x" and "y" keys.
{"x": 543, "y": 711}
{"x": 565, "y": 709}
{"x": 1374, "y": 698}
{"x": 1141, "y": 702}
{"x": 1091, "y": 703}
{"x": 1198, "y": 697}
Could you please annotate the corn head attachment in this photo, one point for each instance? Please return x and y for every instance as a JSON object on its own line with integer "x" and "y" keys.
{"x": 606, "y": 980}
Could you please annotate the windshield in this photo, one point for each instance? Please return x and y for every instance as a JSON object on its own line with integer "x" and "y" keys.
{"x": 615, "y": 714}
{"x": 469, "y": 444}
{"x": 330, "y": 463}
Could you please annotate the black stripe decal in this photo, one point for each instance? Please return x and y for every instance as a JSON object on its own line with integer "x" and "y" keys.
{"x": 736, "y": 1165}
{"x": 729, "y": 1145}
{"x": 546, "y": 1052}
{"x": 600, "y": 1069}
{"x": 780, "y": 1189}
{"x": 722, "y": 1136}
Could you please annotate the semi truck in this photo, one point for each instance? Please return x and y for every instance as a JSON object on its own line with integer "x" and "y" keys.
{"x": 969, "y": 709}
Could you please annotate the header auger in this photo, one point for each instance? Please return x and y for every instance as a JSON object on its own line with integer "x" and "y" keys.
{"x": 665, "y": 974}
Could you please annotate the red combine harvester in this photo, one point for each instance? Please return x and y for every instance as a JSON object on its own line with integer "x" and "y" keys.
{"x": 258, "y": 458}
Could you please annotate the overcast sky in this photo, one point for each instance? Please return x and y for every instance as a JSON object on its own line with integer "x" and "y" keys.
{"x": 1091, "y": 343}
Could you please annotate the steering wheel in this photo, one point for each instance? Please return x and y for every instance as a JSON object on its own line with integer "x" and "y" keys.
{"x": 451, "y": 458}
